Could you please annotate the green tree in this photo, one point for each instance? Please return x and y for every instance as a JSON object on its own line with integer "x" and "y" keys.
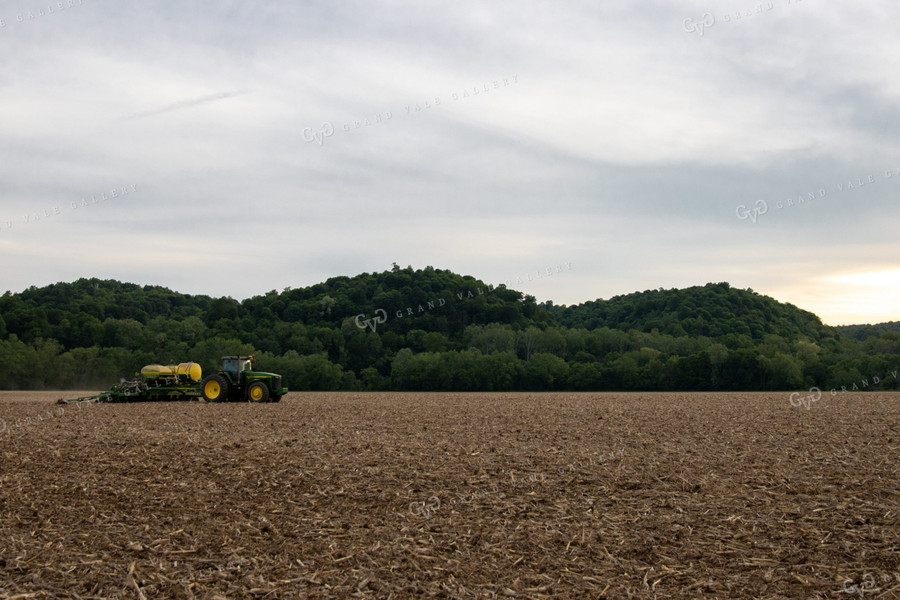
{"x": 782, "y": 371}
{"x": 545, "y": 372}
{"x": 493, "y": 337}
{"x": 718, "y": 355}
{"x": 502, "y": 371}
{"x": 528, "y": 341}
{"x": 586, "y": 376}
{"x": 222, "y": 308}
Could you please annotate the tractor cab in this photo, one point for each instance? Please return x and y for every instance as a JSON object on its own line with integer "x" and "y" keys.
{"x": 235, "y": 365}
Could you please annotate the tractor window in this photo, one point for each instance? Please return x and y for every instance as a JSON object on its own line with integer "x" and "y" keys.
{"x": 230, "y": 366}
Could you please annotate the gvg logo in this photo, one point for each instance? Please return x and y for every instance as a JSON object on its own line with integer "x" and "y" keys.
{"x": 760, "y": 208}
{"x": 327, "y": 130}
{"x": 814, "y": 396}
{"x": 867, "y": 584}
{"x": 373, "y": 322}
{"x": 421, "y": 509}
{"x": 707, "y": 20}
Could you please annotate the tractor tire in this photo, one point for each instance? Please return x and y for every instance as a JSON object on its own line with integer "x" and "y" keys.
{"x": 275, "y": 399}
{"x": 257, "y": 392}
{"x": 215, "y": 388}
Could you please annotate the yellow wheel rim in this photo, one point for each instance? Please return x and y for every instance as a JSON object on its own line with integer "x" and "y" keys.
{"x": 256, "y": 393}
{"x": 212, "y": 389}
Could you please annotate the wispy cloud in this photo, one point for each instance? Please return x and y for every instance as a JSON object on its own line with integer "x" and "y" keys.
{"x": 183, "y": 104}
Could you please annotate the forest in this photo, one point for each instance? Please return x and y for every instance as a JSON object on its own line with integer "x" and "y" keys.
{"x": 432, "y": 329}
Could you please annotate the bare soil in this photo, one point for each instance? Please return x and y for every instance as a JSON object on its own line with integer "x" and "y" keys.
{"x": 384, "y": 495}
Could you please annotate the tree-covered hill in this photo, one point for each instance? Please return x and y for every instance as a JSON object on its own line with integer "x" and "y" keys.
{"x": 100, "y": 312}
{"x": 864, "y": 332}
{"x": 712, "y": 310}
{"x": 431, "y": 329}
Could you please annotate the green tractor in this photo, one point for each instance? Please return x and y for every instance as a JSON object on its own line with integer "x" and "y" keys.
{"x": 237, "y": 380}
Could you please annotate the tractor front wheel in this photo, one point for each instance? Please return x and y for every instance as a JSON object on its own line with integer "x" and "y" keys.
{"x": 215, "y": 388}
{"x": 257, "y": 392}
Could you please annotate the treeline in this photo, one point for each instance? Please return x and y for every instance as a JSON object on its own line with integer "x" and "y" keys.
{"x": 864, "y": 332}
{"x": 432, "y": 329}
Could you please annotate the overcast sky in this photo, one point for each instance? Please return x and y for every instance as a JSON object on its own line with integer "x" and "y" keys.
{"x": 625, "y": 147}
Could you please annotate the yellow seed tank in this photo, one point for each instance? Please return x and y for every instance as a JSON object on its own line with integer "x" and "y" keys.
{"x": 182, "y": 371}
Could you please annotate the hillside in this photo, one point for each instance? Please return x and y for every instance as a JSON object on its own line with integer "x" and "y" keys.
{"x": 713, "y": 310}
{"x": 434, "y": 329}
{"x": 864, "y": 332}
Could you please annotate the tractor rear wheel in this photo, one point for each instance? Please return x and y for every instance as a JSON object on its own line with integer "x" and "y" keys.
{"x": 275, "y": 398}
{"x": 214, "y": 388}
{"x": 257, "y": 392}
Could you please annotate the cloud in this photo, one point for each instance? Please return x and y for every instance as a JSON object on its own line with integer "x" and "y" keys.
{"x": 625, "y": 144}
{"x": 183, "y": 104}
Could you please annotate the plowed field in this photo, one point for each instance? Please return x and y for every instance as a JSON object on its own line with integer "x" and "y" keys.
{"x": 452, "y": 496}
